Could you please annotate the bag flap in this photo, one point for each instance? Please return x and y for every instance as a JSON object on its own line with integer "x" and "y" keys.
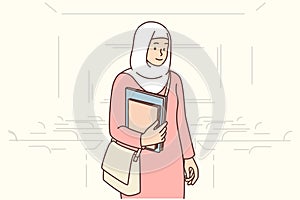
{"x": 117, "y": 162}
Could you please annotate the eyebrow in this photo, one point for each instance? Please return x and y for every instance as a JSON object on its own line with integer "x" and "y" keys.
{"x": 166, "y": 43}
{"x": 155, "y": 43}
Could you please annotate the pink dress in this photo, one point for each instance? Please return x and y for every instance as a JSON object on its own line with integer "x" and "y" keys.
{"x": 162, "y": 174}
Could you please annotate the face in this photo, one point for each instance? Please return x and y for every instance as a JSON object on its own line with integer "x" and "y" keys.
{"x": 158, "y": 51}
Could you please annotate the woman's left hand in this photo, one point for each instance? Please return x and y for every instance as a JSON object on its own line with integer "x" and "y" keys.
{"x": 191, "y": 171}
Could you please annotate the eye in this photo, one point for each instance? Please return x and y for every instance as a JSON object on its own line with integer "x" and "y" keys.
{"x": 154, "y": 48}
{"x": 164, "y": 49}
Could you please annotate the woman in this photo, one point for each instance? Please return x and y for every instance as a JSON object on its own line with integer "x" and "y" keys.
{"x": 162, "y": 174}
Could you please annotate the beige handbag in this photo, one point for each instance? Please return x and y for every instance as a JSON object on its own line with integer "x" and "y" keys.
{"x": 121, "y": 168}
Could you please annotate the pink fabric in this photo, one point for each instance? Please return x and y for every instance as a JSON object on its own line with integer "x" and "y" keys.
{"x": 162, "y": 174}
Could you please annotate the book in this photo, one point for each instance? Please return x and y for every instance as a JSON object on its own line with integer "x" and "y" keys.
{"x": 143, "y": 109}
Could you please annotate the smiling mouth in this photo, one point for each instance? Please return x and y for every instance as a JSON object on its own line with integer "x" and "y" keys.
{"x": 159, "y": 59}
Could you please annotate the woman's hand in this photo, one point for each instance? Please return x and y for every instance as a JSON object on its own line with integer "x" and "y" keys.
{"x": 191, "y": 171}
{"x": 154, "y": 135}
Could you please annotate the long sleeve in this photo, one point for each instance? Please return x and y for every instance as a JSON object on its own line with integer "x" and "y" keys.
{"x": 184, "y": 133}
{"x": 117, "y": 127}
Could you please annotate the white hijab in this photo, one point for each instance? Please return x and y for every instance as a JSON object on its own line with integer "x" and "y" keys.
{"x": 151, "y": 78}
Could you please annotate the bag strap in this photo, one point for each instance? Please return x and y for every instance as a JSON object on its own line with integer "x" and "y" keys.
{"x": 137, "y": 155}
{"x": 167, "y": 86}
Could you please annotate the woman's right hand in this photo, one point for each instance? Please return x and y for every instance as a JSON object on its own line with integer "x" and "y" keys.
{"x": 154, "y": 135}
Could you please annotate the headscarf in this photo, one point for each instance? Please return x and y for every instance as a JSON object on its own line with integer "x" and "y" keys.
{"x": 151, "y": 78}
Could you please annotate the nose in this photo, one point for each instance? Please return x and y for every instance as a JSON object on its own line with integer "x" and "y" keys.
{"x": 160, "y": 51}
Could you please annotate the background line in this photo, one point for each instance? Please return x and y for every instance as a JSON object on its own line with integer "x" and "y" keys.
{"x": 220, "y": 65}
{"x": 50, "y": 7}
{"x": 58, "y": 67}
{"x": 260, "y": 6}
{"x": 218, "y": 59}
{"x": 150, "y": 13}
{"x": 89, "y": 76}
{"x": 86, "y": 171}
{"x": 251, "y": 65}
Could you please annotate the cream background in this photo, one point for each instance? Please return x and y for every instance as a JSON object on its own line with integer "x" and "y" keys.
{"x": 29, "y": 31}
